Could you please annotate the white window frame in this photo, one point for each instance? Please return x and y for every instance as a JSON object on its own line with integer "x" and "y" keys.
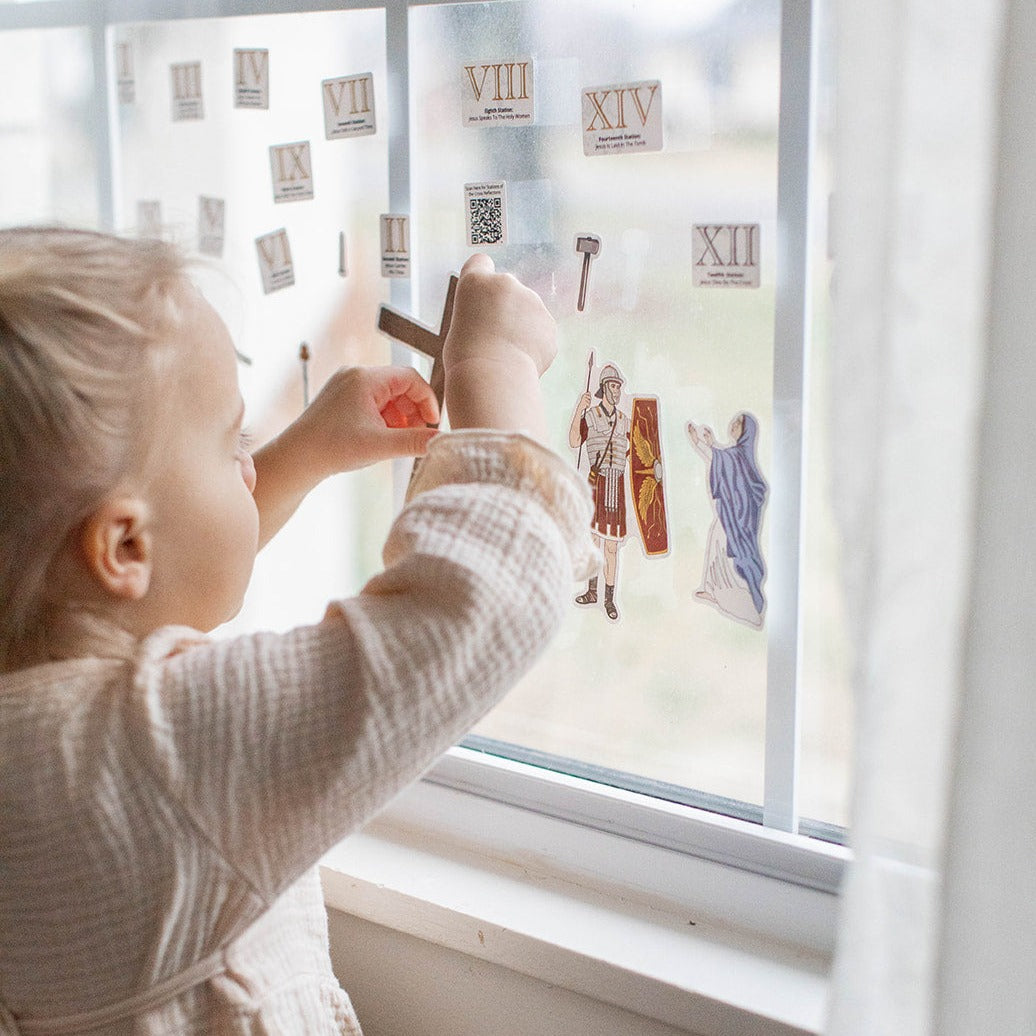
{"x": 778, "y": 883}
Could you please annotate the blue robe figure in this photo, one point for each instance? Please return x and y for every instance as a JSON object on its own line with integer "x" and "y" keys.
{"x": 734, "y": 570}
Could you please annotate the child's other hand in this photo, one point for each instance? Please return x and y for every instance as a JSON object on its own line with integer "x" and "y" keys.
{"x": 496, "y": 316}
{"x": 367, "y": 414}
{"x": 501, "y": 340}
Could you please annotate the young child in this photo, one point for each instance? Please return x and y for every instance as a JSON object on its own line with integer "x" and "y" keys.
{"x": 164, "y": 798}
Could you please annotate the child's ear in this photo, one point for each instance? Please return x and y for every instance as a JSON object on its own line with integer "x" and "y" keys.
{"x": 117, "y": 547}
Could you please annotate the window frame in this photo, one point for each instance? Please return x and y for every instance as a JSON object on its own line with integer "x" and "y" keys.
{"x": 707, "y": 834}
{"x": 769, "y": 845}
{"x": 700, "y": 946}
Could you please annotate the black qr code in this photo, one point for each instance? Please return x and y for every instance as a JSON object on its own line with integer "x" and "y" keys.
{"x": 486, "y": 216}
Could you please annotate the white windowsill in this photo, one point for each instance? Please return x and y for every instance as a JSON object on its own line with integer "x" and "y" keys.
{"x": 636, "y": 951}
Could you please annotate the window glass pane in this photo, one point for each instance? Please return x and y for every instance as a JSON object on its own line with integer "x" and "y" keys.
{"x": 225, "y": 155}
{"x": 675, "y": 690}
{"x": 46, "y": 113}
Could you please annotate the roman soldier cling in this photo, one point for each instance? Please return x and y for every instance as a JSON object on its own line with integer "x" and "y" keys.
{"x": 604, "y": 430}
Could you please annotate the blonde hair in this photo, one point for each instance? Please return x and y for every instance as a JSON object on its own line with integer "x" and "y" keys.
{"x": 79, "y": 311}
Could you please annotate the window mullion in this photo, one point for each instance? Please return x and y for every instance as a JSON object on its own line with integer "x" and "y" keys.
{"x": 791, "y": 338}
{"x": 119, "y": 11}
{"x": 57, "y": 14}
{"x": 397, "y": 48}
{"x": 402, "y": 290}
{"x": 105, "y": 119}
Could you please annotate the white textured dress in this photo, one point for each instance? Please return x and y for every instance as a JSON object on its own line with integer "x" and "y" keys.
{"x": 161, "y": 816}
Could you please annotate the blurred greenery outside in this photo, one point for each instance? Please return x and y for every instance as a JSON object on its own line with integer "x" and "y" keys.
{"x": 674, "y": 691}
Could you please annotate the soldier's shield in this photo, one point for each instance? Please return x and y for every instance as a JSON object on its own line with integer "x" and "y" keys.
{"x": 647, "y": 476}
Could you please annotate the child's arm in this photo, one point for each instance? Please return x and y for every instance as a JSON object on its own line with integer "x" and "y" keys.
{"x": 362, "y": 415}
{"x": 298, "y": 738}
{"x": 501, "y": 340}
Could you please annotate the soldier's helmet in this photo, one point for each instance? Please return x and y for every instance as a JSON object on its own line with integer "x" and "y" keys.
{"x": 609, "y": 372}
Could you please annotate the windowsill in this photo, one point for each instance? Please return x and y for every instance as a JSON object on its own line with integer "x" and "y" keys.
{"x": 687, "y": 968}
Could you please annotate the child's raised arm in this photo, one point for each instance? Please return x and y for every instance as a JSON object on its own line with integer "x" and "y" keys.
{"x": 501, "y": 340}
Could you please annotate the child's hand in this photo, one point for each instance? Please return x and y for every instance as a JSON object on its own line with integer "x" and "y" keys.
{"x": 495, "y": 316}
{"x": 367, "y": 414}
{"x": 501, "y": 340}
{"x": 362, "y": 415}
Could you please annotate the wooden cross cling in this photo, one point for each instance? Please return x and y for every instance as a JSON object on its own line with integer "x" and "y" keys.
{"x": 423, "y": 339}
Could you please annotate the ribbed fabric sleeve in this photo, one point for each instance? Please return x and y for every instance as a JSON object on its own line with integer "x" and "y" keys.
{"x": 303, "y": 736}
{"x": 158, "y": 810}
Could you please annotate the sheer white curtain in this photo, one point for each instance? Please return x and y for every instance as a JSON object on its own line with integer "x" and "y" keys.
{"x": 935, "y": 376}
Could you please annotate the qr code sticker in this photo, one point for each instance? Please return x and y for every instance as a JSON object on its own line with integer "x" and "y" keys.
{"x": 487, "y": 214}
{"x": 487, "y": 222}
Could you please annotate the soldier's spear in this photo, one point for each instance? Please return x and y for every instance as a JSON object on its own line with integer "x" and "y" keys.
{"x": 589, "y": 371}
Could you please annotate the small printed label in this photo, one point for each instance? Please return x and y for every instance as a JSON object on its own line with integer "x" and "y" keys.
{"x": 275, "y": 263}
{"x": 726, "y": 255}
{"x": 292, "y": 170}
{"x": 622, "y": 118}
{"x": 252, "y": 79}
{"x": 497, "y": 92}
{"x": 187, "y": 102}
{"x": 486, "y": 206}
{"x": 349, "y": 106}
{"x": 149, "y": 218}
{"x": 395, "y": 246}
{"x": 125, "y": 81}
{"x": 210, "y": 226}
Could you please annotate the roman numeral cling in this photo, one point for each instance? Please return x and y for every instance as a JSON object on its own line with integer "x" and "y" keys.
{"x": 274, "y": 249}
{"x": 291, "y": 166}
{"x": 509, "y": 82}
{"x": 291, "y": 160}
{"x": 609, "y": 107}
{"x": 252, "y": 79}
{"x": 124, "y": 59}
{"x": 252, "y": 66}
{"x": 187, "y": 101}
{"x": 348, "y": 103}
{"x": 725, "y": 255}
{"x": 622, "y": 117}
{"x": 275, "y": 264}
{"x": 395, "y": 245}
{"x": 124, "y": 80}
{"x": 394, "y": 229}
{"x": 358, "y": 91}
{"x": 210, "y": 212}
{"x": 727, "y": 244}
{"x": 187, "y": 81}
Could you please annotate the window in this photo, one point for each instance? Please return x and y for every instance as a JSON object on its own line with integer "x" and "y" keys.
{"x": 221, "y": 164}
{"x": 675, "y": 696}
{"x": 676, "y": 704}
{"x": 46, "y": 127}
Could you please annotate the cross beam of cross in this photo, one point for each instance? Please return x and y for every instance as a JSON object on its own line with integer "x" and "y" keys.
{"x": 423, "y": 339}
